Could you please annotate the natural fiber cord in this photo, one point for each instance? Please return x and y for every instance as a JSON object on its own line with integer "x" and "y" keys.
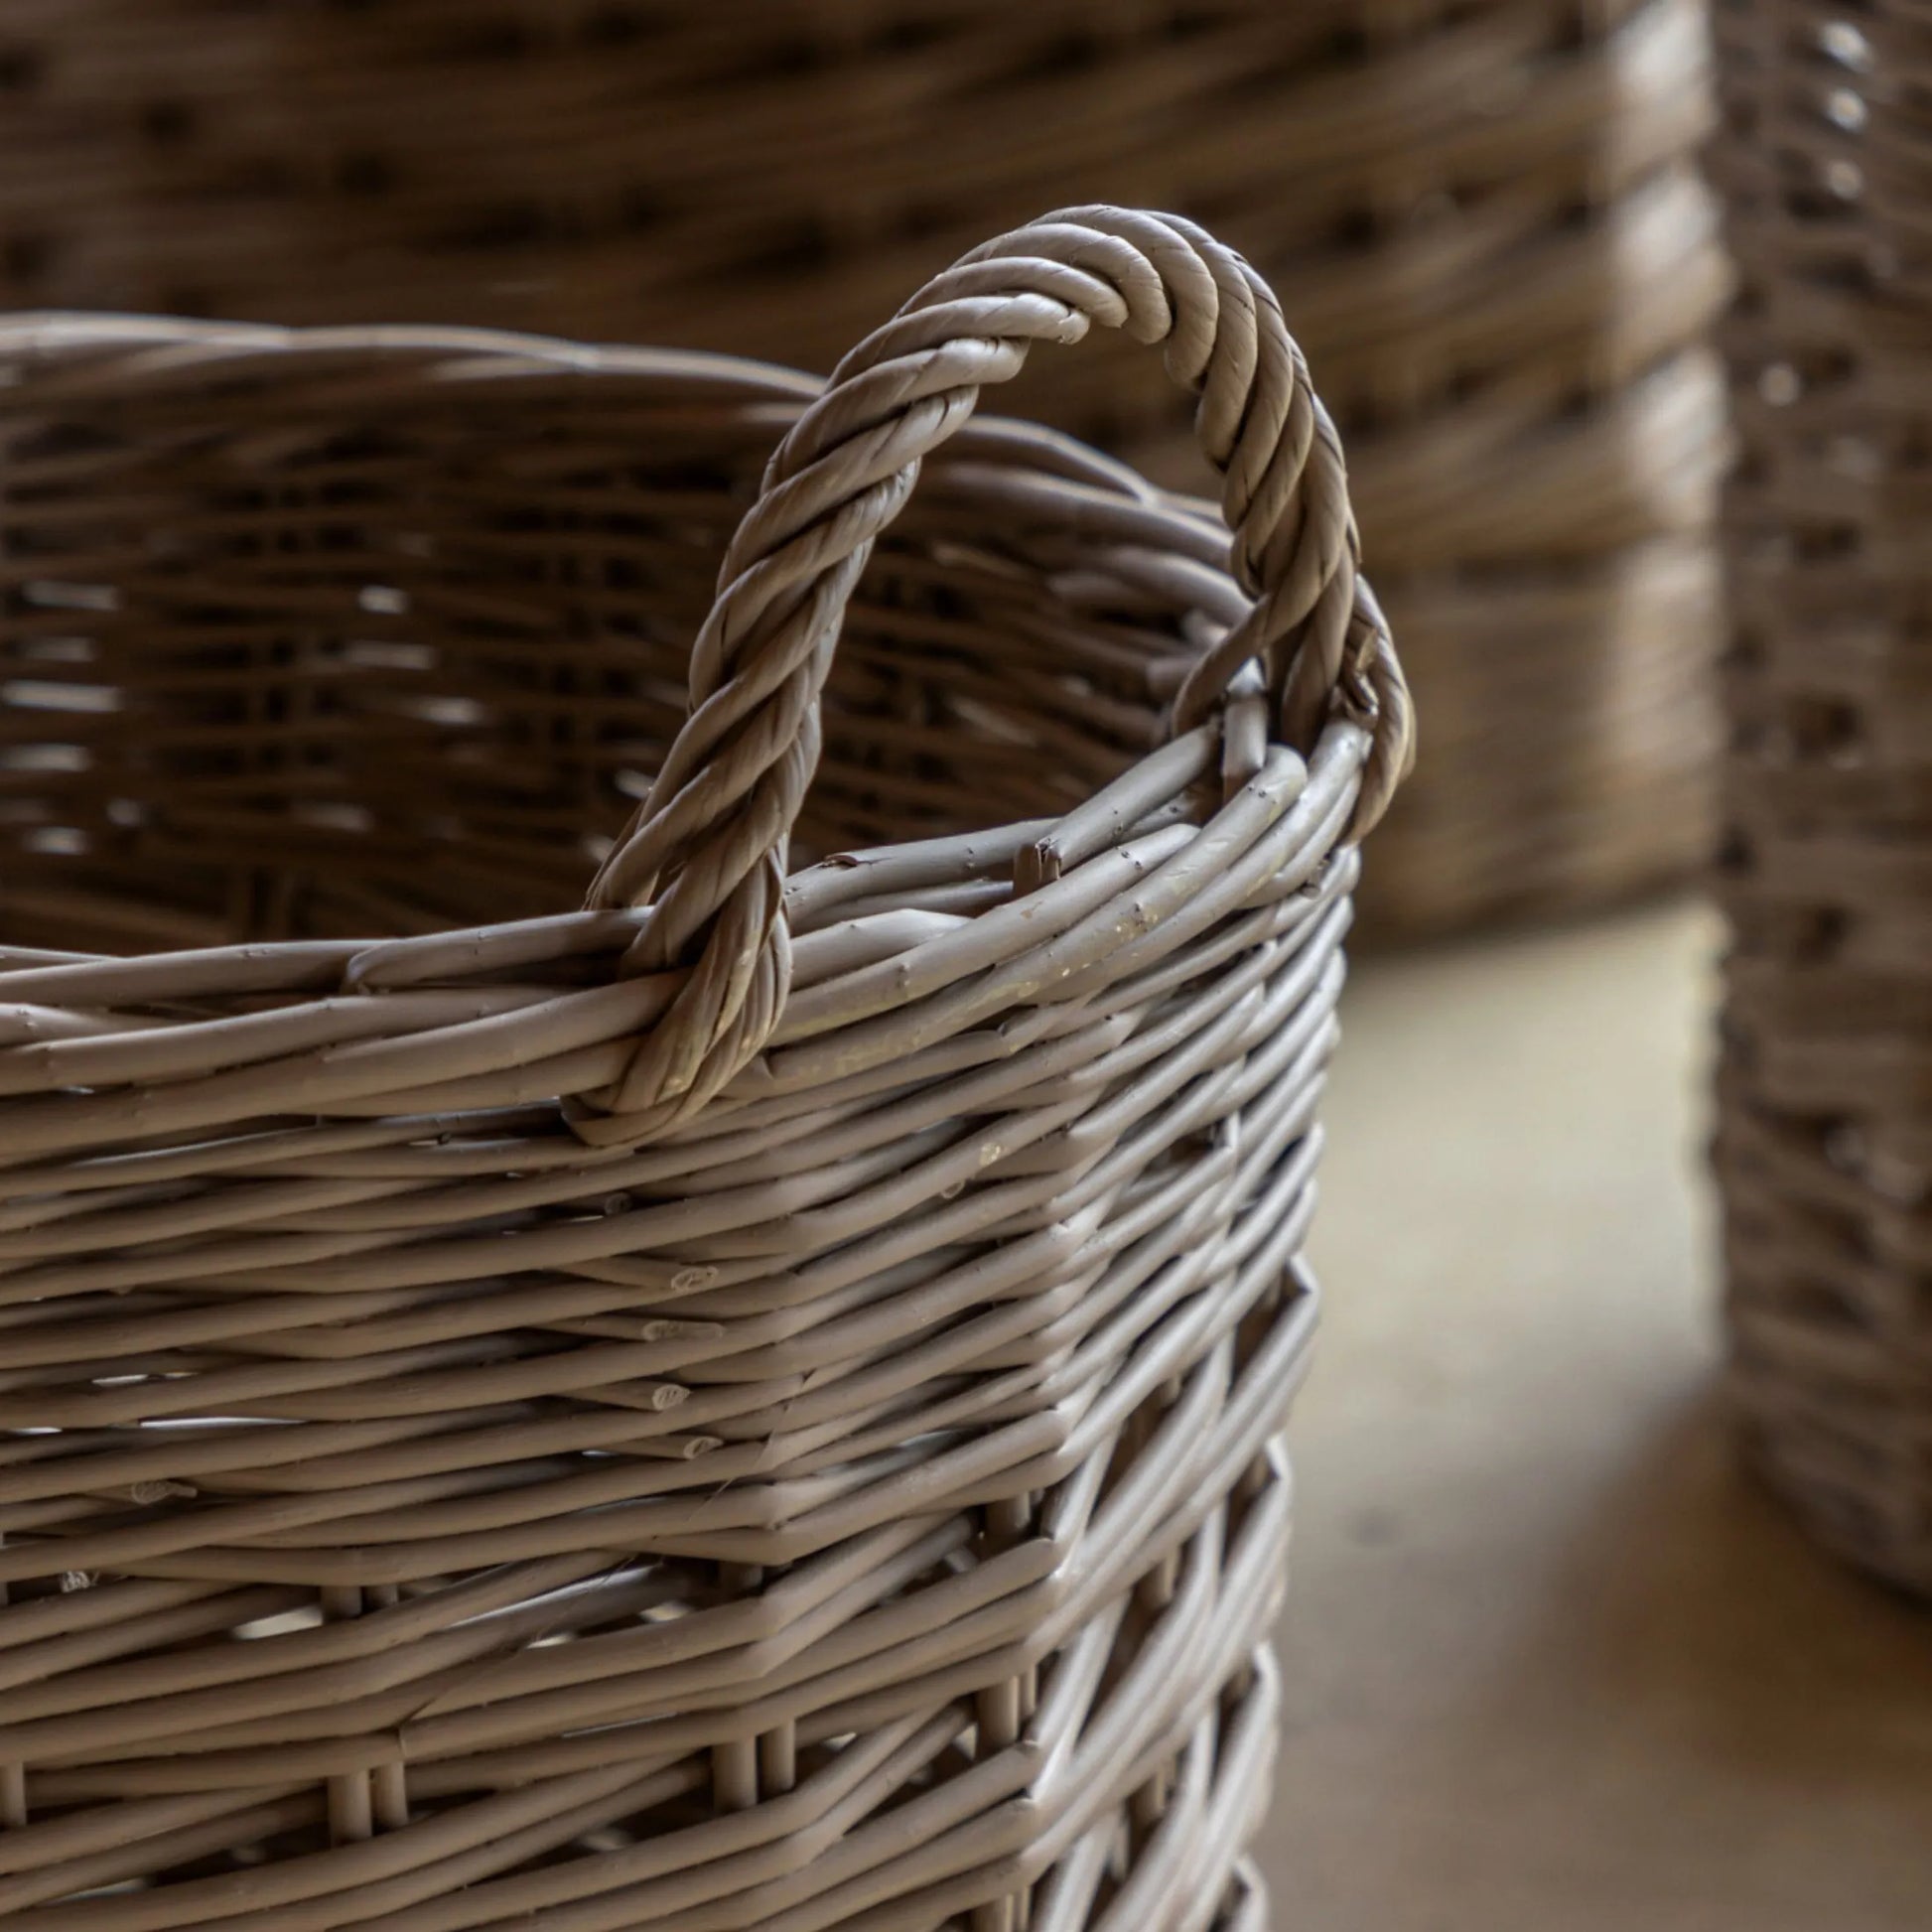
{"x": 1503, "y": 264}
{"x": 1826, "y": 1140}
{"x": 752, "y": 1403}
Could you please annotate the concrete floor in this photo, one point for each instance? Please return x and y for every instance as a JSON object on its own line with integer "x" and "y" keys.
{"x": 1552, "y": 1660}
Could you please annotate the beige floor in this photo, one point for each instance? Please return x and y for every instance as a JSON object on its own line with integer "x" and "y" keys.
{"x": 1551, "y": 1661}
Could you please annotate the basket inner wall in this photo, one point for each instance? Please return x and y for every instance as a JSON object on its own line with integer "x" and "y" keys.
{"x": 279, "y": 662}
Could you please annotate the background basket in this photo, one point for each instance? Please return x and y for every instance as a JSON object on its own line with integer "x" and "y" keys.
{"x": 1824, "y": 1148}
{"x": 752, "y": 1403}
{"x": 1503, "y": 266}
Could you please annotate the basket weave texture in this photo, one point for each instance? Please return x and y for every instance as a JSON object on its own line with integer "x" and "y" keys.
{"x": 1824, "y": 1146}
{"x": 1504, "y": 268}
{"x": 754, "y": 1403}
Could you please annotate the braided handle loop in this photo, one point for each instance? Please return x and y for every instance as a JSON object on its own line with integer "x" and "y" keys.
{"x": 708, "y": 846}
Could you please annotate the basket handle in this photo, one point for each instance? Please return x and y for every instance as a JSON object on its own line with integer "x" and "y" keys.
{"x": 708, "y": 846}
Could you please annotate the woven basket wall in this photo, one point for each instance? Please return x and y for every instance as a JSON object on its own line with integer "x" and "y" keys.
{"x": 1826, "y": 1140}
{"x": 1502, "y": 262}
{"x": 753, "y": 1404}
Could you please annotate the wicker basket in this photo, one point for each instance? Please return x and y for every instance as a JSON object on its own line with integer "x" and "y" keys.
{"x": 1503, "y": 261}
{"x": 752, "y": 1403}
{"x": 1826, "y": 1140}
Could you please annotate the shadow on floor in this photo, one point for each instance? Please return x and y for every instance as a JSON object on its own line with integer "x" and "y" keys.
{"x": 1694, "y": 1722}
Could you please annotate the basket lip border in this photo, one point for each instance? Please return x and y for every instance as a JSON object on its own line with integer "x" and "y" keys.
{"x": 44, "y": 333}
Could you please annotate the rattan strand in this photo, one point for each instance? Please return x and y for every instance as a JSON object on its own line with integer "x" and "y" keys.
{"x": 1824, "y": 1148}
{"x": 752, "y": 1403}
{"x": 1503, "y": 265}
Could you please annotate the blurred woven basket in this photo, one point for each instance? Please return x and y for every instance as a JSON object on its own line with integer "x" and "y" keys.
{"x": 753, "y": 1404}
{"x": 1503, "y": 262}
{"x": 1825, "y": 1145}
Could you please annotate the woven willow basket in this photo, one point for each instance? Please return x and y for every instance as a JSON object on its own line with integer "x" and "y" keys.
{"x": 1826, "y": 1140}
{"x": 751, "y": 1404}
{"x": 1503, "y": 262}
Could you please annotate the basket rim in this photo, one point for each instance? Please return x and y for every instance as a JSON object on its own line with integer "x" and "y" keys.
{"x": 1292, "y": 687}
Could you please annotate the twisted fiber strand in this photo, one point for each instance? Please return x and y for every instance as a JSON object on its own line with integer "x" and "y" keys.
{"x": 720, "y": 812}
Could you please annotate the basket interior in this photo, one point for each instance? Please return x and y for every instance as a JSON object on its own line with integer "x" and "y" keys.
{"x": 360, "y": 643}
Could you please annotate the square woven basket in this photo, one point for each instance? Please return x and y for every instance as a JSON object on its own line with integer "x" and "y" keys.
{"x": 752, "y": 1402}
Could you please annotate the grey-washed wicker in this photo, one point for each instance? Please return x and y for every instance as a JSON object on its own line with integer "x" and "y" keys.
{"x": 1504, "y": 266}
{"x": 752, "y": 1403}
{"x": 1825, "y": 1138}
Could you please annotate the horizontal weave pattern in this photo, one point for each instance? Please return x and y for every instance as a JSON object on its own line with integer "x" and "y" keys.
{"x": 1826, "y": 1139}
{"x": 1502, "y": 261}
{"x": 500, "y": 1427}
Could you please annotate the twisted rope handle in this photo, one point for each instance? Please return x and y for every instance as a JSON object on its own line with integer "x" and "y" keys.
{"x": 708, "y": 846}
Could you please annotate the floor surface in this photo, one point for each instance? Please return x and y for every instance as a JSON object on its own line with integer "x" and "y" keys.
{"x": 1553, "y": 1663}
